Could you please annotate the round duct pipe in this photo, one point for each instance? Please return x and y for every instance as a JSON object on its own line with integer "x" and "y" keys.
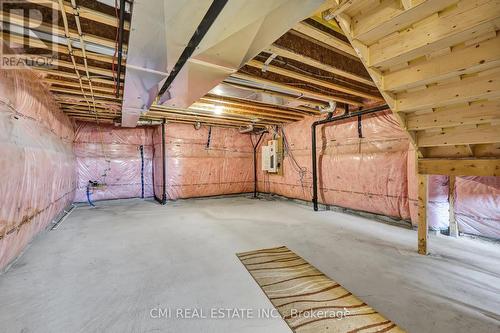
{"x": 246, "y": 129}
{"x": 332, "y": 105}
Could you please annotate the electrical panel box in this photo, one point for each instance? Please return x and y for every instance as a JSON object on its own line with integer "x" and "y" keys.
{"x": 271, "y": 160}
{"x": 266, "y": 160}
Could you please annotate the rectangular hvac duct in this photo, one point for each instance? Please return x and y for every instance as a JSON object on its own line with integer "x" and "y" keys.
{"x": 161, "y": 29}
{"x": 159, "y": 32}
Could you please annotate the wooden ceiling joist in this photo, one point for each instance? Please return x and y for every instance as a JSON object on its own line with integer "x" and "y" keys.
{"x": 277, "y": 110}
{"x": 310, "y": 102}
{"x": 59, "y": 73}
{"x": 305, "y": 92}
{"x": 391, "y": 16}
{"x": 81, "y": 98}
{"x": 458, "y": 61}
{"x": 316, "y": 63}
{"x": 471, "y": 134}
{"x": 58, "y": 48}
{"x": 485, "y": 85}
{"x": 460, "y": 167}
{"x": 463, "y": 22}
{"x": 312, "y": 80}
{"x": 325, "y": 38}
{"x": 436, "y": 62}
{"x": 481, "y": 112}
{"x": 56, "y": 30}
{"x": 83, "y": 12}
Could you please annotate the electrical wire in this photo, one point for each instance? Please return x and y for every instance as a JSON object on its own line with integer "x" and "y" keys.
{"x": 300, "y": 170}
{"x": 116, "y": 48}
{"x": 91, "y": 104}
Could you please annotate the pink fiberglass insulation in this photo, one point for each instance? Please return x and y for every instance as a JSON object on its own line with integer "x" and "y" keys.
{"x": 36, "y": 160}
{"x": 202, "y": 164}
{"x": 477, "y": 205}
{"x": 368, "y": 173}
{"x": 111, "y": 156}
{"x": 437, "y": 205}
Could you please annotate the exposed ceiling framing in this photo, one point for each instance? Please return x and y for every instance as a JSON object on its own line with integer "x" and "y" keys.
{"x": 437, "y": 64}
{"x": 305, "y": 69}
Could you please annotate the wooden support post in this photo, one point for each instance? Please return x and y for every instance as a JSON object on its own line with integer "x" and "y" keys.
{"x": 422, "y": 214}
{"x": 451, "y": 201}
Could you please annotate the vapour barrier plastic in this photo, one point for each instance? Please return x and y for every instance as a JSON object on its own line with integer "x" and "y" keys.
{"x": 477, "y": 205}
{"x": 111, "y": 156}
{"x": 438, "y": 207}
{"x": 368, "y": 173}
{"x": 377, "y": 173}
{"x": 36, "y": 159}
{"x": 203, "y": 162}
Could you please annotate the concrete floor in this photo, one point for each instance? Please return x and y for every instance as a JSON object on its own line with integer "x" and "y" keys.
{"x": 104, "y": 269}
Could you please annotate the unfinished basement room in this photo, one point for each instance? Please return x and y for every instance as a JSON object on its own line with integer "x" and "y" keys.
{"x": 307, "y": 166}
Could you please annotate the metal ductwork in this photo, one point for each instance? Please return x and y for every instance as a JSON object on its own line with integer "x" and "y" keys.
{"x": 246, "y": 129}
{"x": 261, "y": 96}
{"x": 233, "y": 33}
{"x": 159, "y": 32}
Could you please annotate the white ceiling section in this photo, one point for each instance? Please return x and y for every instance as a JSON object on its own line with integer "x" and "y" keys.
{"x": 161, "y": 29}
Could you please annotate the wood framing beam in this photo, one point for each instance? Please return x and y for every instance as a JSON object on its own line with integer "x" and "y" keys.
{"x": 56, "y": 30}
{"x": 315, "y": 63}
{"x": 318, "y": 17}
{"x": 79, "y": 92}
{"x": 461, "y": 135}
{"x": 269, "y": 107}
{"x": 345, "y": 22}
{"x": 460, "y": 167}
{"x": 311, "y": 104}
{"x": 200, "y": 109}
{"x": 480, "y": 86}
{"x": 251, "y": 114}
{"x": 251, "y": 111}
{"x": 422, "y": 213}
{"x": 59, "y": 48}
{"x": 390, "y": 17}
{"x": 71, "y": 75}
{"x": 83, "y": 12}
{"x": 481, "y": 112}
{"x": 342, "y": 6}
{"x": 313, "y": 80}
{"x": 451, "y": 201}
{"x": 64, "y": 83}
{"x": 66, "y": 64}
{"x": 470, "y": 18}
{"x": 305, "y": 92}
{"x": 459, "y": 61}
{"x": 161, "y": 113}
{"x": 325, "y": 38}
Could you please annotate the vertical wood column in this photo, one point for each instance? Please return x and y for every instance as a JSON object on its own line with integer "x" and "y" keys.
{"x": 422, "y": 213}
{"x": 451, "y": 201}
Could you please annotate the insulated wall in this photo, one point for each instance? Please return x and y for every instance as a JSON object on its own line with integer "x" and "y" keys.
{"x": 36, "y": 160}
{"x": 203, "y": 162}
{"x": 112, "y": 157}
{"x": 367, "y": 173}
{"x": 377, "y": 173}
{"x": 477, "y": 205}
